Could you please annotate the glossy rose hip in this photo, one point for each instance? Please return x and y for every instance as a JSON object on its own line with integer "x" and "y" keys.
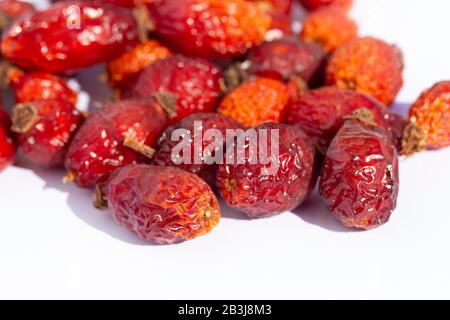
{"x": 69, "y": 36}
{"x": 165, "y": 205}
{"x": 259, "y": 192}
{"x": 116, "y": 135}
{"x": 359, "y": 180}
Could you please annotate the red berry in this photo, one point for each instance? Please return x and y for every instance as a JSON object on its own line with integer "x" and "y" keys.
{"x": 320, "y": 113}
{"x": 210, "y": 28}
{"x": 183, "y": 85}
{"x": 7, "y": 149}
{"x": 11, "y": 10}
{"x": 246, "y": 188}
{"x": 114, "y": 136}
{"x": 344, "y": 5}
{"x": 45, "y": 129}
{"x": 34, "y": 86}
{"x": 359, "y": 179}
{"x": 165, "y": 205}
{"x": 287, "y": 57}
{"x": 69, "y": 36}
{"x": 207, "y": 121}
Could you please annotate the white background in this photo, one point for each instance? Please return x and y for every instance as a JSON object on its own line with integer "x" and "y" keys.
{"x": 53, "y": 244}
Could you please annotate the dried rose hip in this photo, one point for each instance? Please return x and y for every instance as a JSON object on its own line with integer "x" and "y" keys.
{"x": 38, "y": 85}
{"x": 282, "y": 6}
{"x": 282, "y": 59}
{"x": 367, "y": 65}
{"x": 206, "y": 121}
{"x": 260, "y": 191}
{"x": 317, "y": 4}
{"x": 69, "y": 36}
{"x": 280, "y": 27}
{"x": 183, "y": 85}
{"x": 7, "y": 149}
{"x": 12, "y": 10}
{"x": 165, "y": 205}
{"x": 124, "y": 70}
{"x": 210, "y": 28}
{"x": 5, "y": 121}
{"x": 359, "y": 179}
{"x": 329, "y": 27}
{"x": 320, "y": 113}
{"x": 430, "y": 120}
{"x": 45, "y": 129}
{"x": 120, "y": 3}
{"x": 116, "y": 135}
{"x": 256, "y": 101}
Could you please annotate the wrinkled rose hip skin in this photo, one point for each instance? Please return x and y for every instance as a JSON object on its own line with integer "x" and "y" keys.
{"x": 246, "y": 188}
{"x": 165, "y": 205}
{"x": 367, "y": 65}
{"x": 329, "y": 27}
{"x": 181, "y": 84}
{"x": 359, "y": 180}
{"x": 45, "y": 129}
{"x": 69, "y": 36}
{"x": 212, "y": 29}
{"x": 431, "y": 114}
{"x": 124, "y": 70}
{"x": 206, "y": 121}
{"x": 116, "y": 135}
{"x": 320, "y": 113}
{"x": 256, "y": 101}
{"x": 38, "y": 85}
{"x": 287, "y": 57}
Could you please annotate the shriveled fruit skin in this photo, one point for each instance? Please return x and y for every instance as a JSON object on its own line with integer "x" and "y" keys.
{"x": 124, "y": 70}
{"x": 431, "y": 113}
{"x": 7, "y": 149}
{"x": 329, "y": 27}
{"x": 45, "y": 138}
{"x": 69, "y": 36}
{"x": 33, "y": 86}
{"x": 100, "y": 145}
{"x": 359, "y": 180}
{"x": 287, "y": 57}
{"x": 165, "y": 205}
{"x": 344, "y": 5}
{"x": 244, "y": 187}
{"x": 320, "y": 113}
{"x": 367, "y": 65}
{"x": 256, "y": 101}
{"x": 213, "y": 29}
{"x": 207, "y": 121}
{"x": 194, "y": 84}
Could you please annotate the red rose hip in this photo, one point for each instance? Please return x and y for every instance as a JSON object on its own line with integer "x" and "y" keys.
{"x": 165, "y": 205}
{"x": 7, "y": 148}
{"x": 257, "y": 189}
{"x": 359, "y": 180}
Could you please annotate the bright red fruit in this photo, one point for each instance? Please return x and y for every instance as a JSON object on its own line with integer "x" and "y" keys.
{"x": 206, "y": 121}
{"x": 69, "y": 36}
{"x": 183, "y": 85}
{"x": 45, "y": 129}
{"x": 359, "y": 179}
{"x": 254, "y": 189}
{"x": 116, "y": 135}
{"x": 7, "y": 149}
{"x": 165, "y": 205}
{"x": 38, "y": 85}
{"x": 320, "y": 113}
{"x": 287, "y": 57}
{"x": 210, "y": 28}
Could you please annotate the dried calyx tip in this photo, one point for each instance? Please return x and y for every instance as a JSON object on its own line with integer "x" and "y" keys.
{"x": 69, "y": 177}
{"x": 100, "y": 201}
{"x": 139, "y": 147}
{"x": 23, "y": 118}
{"x": 413, "y": 140}
{"x": 233, "y": 77}
{"x": 363, "y": 115}
{"x": 144, "y": 22}
{"x": 168, "y": 101}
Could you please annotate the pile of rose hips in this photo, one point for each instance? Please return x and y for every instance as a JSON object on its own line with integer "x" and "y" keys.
{"x": 232, "y": 64}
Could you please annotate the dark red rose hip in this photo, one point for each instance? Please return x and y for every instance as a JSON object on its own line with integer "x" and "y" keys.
{"x": 7, "y": 145}
{"x": 45, "y": 129}
{"x": 359, "y": 180}
{"x": 116, "y": 135}
{"x": 256, "y": 189}
{"x": 69, "y": 36}
{"x": 206, "y": 121}
{"x": 184, "y": 85}
{"x": 165, "y": 205}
